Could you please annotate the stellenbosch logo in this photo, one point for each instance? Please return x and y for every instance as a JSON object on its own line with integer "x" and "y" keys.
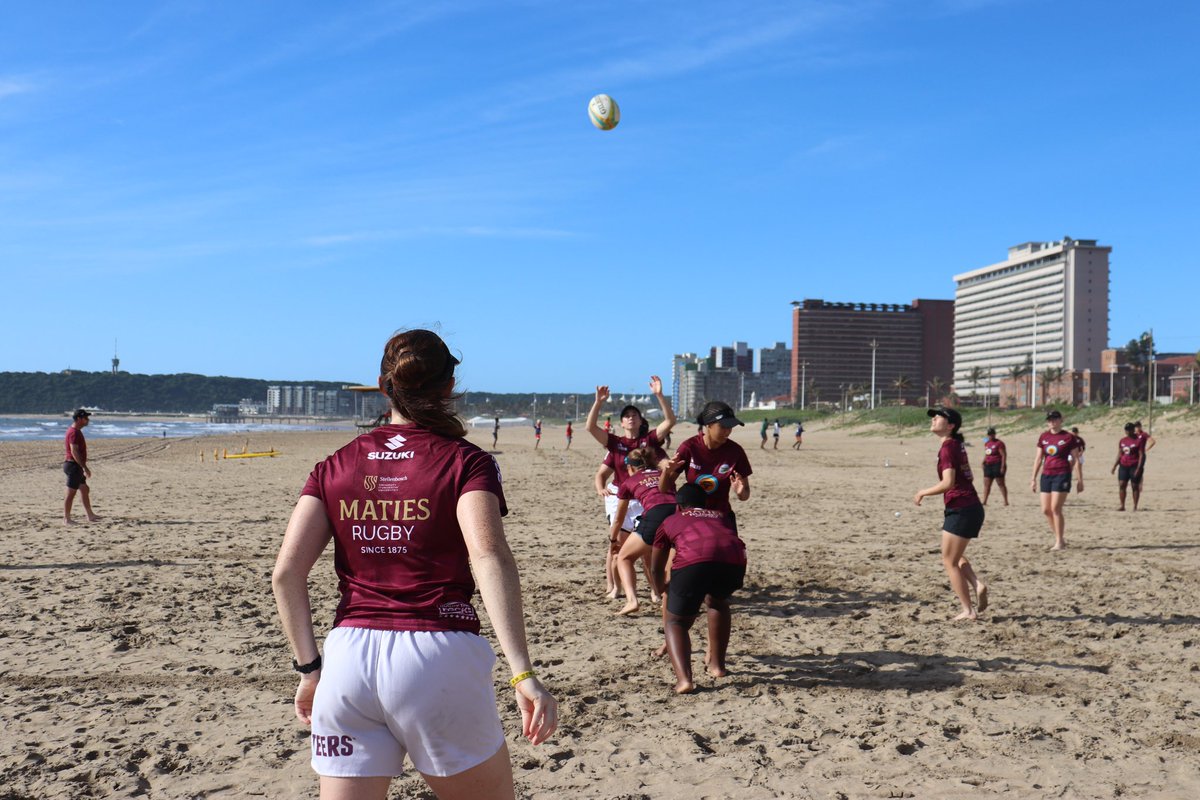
{"x": 393, "y": 452}
{"x": 370, "y": 482}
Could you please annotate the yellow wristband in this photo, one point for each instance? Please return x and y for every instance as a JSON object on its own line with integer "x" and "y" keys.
{"x": 520, "y": 677}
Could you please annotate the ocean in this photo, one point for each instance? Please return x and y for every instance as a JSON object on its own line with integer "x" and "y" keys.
{"x": 19, "y": 429}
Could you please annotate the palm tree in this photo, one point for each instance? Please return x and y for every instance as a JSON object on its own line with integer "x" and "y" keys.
{"x": 1049, "y": 375}
{"x": 1018, "y": 371}
{"x": 976, "y": 376}
{"x": 902, "y": 384}
{"x": 936, "y": 388}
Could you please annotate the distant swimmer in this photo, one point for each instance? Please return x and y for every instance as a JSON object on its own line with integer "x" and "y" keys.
{"x": 709, "y": 565}
{"x": 1054, "y": 449}
{"x": 963, "y": 517}
{"x": 995, "y": 465}
{"x": 405, "y": 672}
{"x": 76, "y": 468}
{"x": 1130, "y": 460}
{"x": 537, "y": 434}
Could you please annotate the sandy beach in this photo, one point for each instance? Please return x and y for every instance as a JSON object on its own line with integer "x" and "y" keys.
{"x": 143, "y": 655}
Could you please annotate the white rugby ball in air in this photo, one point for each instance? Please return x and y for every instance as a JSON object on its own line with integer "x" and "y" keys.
{"x": 603, "y": 112}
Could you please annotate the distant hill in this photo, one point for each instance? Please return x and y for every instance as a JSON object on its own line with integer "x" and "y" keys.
{"x": 55, "y": 392}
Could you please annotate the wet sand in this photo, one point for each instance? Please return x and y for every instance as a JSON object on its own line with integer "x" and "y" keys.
{"x": 143, "y": 656}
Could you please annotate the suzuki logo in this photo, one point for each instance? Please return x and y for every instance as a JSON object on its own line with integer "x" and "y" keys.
{"x": 395, "y": 443}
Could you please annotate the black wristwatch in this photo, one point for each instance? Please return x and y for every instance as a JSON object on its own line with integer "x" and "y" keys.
{"x": 312, "y": 666}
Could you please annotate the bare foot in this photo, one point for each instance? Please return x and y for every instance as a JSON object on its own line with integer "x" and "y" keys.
{"x": 1121, "y": 508}
{"x": 661, "y": 652}
{"x": 685, "y": 687}
{"x": 1060, "y": 546}
{"x": 965, "y": 615}
{"x": 716, "y": 672}
{"x": 612, "y": 594}
{"x": 1005, "y": 502}
{"x": 981, "y": 589}
{"x": 94, "y": 518}
{"x": 630, "y": 607}
{"x": 69, "y": 522}
{"x": 655, "y": 598}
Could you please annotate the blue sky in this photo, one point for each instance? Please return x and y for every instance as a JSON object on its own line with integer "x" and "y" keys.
{"x": 269, "y": 189}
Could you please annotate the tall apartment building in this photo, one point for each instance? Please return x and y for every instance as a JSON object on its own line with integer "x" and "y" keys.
{"x": 1047, "y": 301}
{"x": 727, "y": 374}
{"x": 831, "y": 347}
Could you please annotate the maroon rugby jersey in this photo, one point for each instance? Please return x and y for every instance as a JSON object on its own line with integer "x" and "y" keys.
{"x": 700, "y": 535}
{"x": 75, "y": 437}
{"x": 1057, "y": 447}
{"x": 711, "y": 469}
{"x": 1131, "y": 451}
{"x": 391, "y": 496}
{"x": 643, "y": 487}
{"x": 953, "y": 455}
{"x": 619, "y": 446}
{"x": 993, "y": 450}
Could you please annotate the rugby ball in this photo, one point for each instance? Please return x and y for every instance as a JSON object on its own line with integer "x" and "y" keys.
{"x": 603, "y": 112}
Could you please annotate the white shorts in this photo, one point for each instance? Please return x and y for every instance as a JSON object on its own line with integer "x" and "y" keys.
{"x": 610, "y": 509}
{"x": 383, "y": 694}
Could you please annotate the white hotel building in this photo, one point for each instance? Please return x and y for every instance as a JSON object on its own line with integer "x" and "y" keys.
{"x": 1048, "y": 300}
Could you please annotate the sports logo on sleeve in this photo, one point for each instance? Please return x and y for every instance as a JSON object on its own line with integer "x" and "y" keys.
{"x": 707, "y": 482}
{"x": 724, "y": 469}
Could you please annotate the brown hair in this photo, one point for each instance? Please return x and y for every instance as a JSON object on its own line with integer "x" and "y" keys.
{"x": 417, "y": 372}
{"x": 643, "y": 455}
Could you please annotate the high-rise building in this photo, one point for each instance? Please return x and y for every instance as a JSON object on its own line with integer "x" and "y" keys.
{"x": 727, "y": 374}
{"x": 834, "y": 345}
{"x": 1046, "y": 303}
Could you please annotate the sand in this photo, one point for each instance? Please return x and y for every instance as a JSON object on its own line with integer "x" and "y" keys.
{"x": 142, "y": 655}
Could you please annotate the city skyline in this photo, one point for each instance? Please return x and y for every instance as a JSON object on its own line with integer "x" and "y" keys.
{"x": 273, "y": 189}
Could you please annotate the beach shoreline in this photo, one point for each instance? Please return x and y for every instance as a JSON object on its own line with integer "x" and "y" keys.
{"x": 143, "y": 653}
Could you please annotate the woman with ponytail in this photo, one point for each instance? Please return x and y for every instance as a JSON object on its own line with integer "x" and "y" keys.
{"x": 964, "y": 512}
{"x": 412, "y": 508}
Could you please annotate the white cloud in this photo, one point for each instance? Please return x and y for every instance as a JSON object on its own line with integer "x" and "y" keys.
{"x": 14, "y": 86}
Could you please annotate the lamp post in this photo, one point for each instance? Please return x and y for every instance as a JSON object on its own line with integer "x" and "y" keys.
{"x": 1033, "y": 368}
{"x": 874, "y": 346}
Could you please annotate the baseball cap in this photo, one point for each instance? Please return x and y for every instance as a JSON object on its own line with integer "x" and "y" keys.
{"x": 716, "y": 411}
{"x": 949, "y": 414}
{"x": 81, "y": 412}
{"x": 1054, "y": 413}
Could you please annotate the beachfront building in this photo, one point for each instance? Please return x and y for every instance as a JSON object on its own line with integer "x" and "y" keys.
{"x": 834, "y": 344}
{"x": 1043, "y": 308}
{"x": 727, "y": 374}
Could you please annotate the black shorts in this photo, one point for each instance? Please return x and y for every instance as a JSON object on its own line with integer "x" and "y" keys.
{"x": 1057, "y": 483}
{"x": 993, "y": 470}
{"x": 75, "y": 476}
{"x": 1131, "y": 474}
{"x": 964, "y": 522}
{"x": 649, "y": 521}
{"x": 691, "y": 584}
